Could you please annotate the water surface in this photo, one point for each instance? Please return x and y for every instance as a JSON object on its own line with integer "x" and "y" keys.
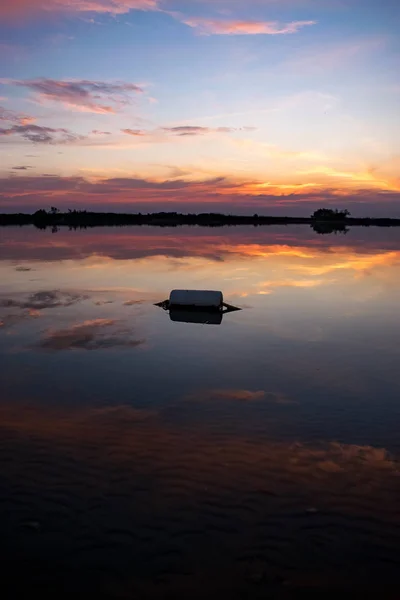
{"x": 142, "y": 457}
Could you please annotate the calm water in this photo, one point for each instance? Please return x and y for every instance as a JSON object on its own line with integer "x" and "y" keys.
{"x": 146, "y": 458}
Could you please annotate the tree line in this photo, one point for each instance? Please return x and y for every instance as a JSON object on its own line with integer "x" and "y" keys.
{"x": 323, "y": 220}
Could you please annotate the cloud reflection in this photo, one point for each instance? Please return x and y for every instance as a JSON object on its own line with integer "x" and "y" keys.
{"x": 241, "y": 395}
{"x": 150, "y": 444}
{"x": 9, "y": 320}
{"x": 29, "y": 244}
{"x": 44, "y": 300}
{"x": 157, "y": 492}
{"x": 96, "y": 334}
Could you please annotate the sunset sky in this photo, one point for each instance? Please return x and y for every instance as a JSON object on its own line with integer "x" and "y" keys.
{"x": 240, "y": 106}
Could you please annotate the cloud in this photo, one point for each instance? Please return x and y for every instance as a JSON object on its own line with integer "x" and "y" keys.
{"x": 18, "y": 8}
{"x": 241, "y": 395}
{"x": 80, "y": 187}
{"x": 135, "y": 132}
{"x": 97, "y": 334}
{"x": 190, "y": 130}
{"x": 43, "y": 300}
{"x": 80, "y": 95}
{"x": 22, "y": 8}
{"x": 195, "y": 194}
{"x": 22, "y": 168}
{"x": 41, "y": 135}
{"x": 97, "y": 132}
{"x": 183, "y": 131}
{"x": 236, "y": 27}
{"x": 13, "y": 117}
{"x": 370, "y": 177}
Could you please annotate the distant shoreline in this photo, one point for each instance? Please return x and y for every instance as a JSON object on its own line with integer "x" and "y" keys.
{"x": 86, "y": 219}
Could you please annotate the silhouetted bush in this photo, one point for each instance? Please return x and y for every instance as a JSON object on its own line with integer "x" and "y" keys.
{"x": 326, "y": 228}
{"x": 328, "y": 214}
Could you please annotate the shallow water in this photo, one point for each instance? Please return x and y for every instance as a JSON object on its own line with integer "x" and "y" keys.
{"x": 142, "y": 457}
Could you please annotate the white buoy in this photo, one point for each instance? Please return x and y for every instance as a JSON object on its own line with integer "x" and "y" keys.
{"x": 196, "y": 298}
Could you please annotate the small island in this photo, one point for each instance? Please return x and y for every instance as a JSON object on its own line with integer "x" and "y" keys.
{"x": 322, "y": 221}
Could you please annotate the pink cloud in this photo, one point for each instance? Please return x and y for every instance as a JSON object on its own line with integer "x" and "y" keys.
{"x": 97, "y": 132}
{"x": 21, "y": 8}
{"x": 13, "y": 117}
{"x": 18, "y": 8}
{"x": 220, "y": 193}
{"x": 191, "y": 130}
{"x": 80, "y": 95}
{"x": 236, "y": 27}
{"x": 135, "y": 132}
{"x": 184, "y": 131}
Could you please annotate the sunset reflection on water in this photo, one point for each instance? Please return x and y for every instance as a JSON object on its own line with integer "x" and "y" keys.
{"x": 157, "y": 457}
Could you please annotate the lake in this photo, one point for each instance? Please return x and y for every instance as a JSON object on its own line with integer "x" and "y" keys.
{"x": 142, "y": 457}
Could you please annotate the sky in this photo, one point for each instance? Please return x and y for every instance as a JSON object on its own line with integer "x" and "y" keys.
{"x": 256, "y": 106}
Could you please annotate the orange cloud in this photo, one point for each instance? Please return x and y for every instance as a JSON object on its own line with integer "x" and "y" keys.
{"x": 369, "y": 177}
{"x": 220, "y": 27}
{"x": 135, "y": 132}
{"x": 186, "y": 193}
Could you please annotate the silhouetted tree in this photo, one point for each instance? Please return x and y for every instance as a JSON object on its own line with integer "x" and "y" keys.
{"x": 40, "y": 214}
{"x": 329, "y": 214}
{"x": 326, "y": 227}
